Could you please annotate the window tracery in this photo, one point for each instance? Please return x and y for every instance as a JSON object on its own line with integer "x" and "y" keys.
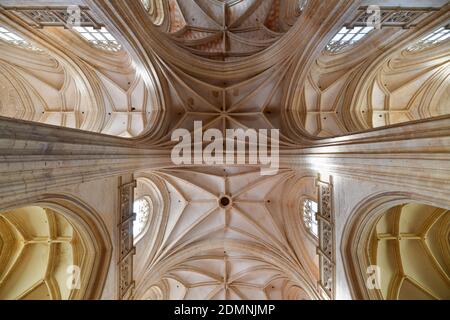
{"x": 141, "y": 208}
{"x": 13, "y": 38}
{"x": 100, "y": 38}
{"x": 309, "y": 216}
{"x": 434, "y": 38}
{"x": 347, "y": 37}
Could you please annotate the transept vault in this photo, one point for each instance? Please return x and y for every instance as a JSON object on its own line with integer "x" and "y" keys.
{"x": 94, "y": 206}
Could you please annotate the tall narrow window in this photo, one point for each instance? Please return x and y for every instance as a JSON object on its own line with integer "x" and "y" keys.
{"x": 15, "y": 39}
{"x": 434, "y": 38}
{"x": 347, "y": 37}
{"x": 141, "y": 208}
{"x": 100, "y": 38}
{"x": 309, "y": 216}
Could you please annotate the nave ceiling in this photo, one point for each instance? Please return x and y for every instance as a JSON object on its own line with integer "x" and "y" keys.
{"x": 224, "y": 232}
{"x": 226, "y": 30}
{"x": 200, "y": 246}
{"x": 231, "y": 64}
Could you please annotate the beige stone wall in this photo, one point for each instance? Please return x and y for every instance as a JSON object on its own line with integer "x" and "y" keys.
{"x": 103, "y": 196}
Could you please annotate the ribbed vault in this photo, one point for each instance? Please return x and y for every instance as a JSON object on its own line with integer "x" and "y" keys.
{"x": 205, "y": 247}
{"x": 409, "y": 86}
{"x": 224, "y": 30}
{"x": 397, "y": 247}
{"x": 72, "y": 83}
{"x": 265, "y": 67}
{"x": 250, "y": 104}
{"x": 38, "y": 247}
{"x": 374, "y": 83}
{"x": 226, "y": 232}
{"x": 411, "y": 245}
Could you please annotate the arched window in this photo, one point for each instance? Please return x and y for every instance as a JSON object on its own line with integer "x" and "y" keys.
{"x": 15, "y": 39}
{"x": 434, "y": 38}
{"x": 100, "y": 38}
{"x": 347, "y": 37}
{"x": 309, "y": 216}
{"x": 141, "y": 208}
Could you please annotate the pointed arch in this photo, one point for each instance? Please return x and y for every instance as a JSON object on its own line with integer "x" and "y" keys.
{"x": 87, "y": 235}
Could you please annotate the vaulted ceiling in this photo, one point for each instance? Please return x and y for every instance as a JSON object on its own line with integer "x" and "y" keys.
{"x": 247, "y": 64}
{"x": 63, "y": 80}
{"x": 408, "y": 233}
{"x": 224, "y": 30}
{"x": 37, "y": 245}
{"x": 225, "y": 232}
{"x": 106, "y": 96}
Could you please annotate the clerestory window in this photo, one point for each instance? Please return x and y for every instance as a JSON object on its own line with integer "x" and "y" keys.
{"x": 347, "y": 37}
{"x": 309, "y": 216}
{"x": 13, "y": 38}
{"x": 436, "y": 37}
{"x": 100, "y": 38}
{"x": 141, "y": 208}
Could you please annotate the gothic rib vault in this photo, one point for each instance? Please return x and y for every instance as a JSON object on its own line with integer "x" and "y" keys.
{"x": 206, "y": 247}
{"x": 405, "y": 232}
{"x": 223, "y": 232}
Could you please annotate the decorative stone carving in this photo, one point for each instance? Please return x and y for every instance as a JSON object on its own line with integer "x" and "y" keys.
{"x": 391, "y": 17}
{"x": 326, "y": 249}
{"x": 325, "y": 201}
{"x": 126, "y": 247}
{"x": 326, "y": 243}
{"x": 41, "y": 17}
{"x": 126, "y": 282}
{"x": 327, "y": 275}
